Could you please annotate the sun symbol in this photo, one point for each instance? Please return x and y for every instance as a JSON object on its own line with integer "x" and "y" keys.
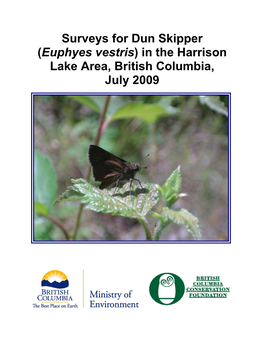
{"x": 54, "y": 275}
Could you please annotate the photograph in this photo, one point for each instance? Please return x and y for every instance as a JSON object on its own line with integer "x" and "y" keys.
{"x": 130, "y": 168}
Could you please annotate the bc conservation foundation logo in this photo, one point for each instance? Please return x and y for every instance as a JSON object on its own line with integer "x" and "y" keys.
{"x": 54, "y": 291}
{"x": 166, "y": 288}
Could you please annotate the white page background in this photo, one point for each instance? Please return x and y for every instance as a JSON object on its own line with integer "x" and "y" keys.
{"x": 236, "y": 27}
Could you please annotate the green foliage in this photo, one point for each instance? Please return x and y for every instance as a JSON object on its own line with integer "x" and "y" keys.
{"x": 136, "y": 205}
{"x": 45, "y": 180}
{"x": 170, "y": 194}
{"x": 214, "y": 103}
{"x": 96, "y": 103}
{"x": 146, "y": 112}
{"x": 181, "y": 216}
{"x": 171, "y": 188}
{"x": 121, "y": 108}
{"x": 45, "y": 191}
{"x": 87, "y": 101}
{"x": 41, "y": 209}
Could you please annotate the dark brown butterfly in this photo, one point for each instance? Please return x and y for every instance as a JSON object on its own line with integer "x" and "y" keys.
{"x": 110, "y": 169}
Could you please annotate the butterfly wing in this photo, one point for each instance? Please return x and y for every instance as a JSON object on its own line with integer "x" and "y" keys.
{"x": 106, "y": 166}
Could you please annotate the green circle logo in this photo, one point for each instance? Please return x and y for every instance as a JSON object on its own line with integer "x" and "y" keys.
{"x": 166, "y": 288}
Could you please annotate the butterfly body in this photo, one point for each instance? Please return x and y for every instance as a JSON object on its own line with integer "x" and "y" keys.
{"x": 110, "y": 169}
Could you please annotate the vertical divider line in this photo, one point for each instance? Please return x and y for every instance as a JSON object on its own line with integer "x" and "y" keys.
{"x": 83, "y": 288}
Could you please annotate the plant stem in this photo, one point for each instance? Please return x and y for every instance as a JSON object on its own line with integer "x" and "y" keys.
{"x": 55, "y": 221}
{"x": 96, "y": 141}
{"x": 144, "y": 223}
{"x": 152, "y": 130}
{"x": 159, "y": 228}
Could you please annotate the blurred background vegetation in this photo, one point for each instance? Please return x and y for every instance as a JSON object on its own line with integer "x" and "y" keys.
{"x": 190, "y": 131}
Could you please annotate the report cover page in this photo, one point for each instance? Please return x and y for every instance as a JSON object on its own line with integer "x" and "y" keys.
{"x": 135, "y": 133}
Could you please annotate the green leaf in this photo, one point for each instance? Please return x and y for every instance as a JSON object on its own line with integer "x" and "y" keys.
{"x": 115, "y": 202}
{"x": 182, "y": 217}
{"x": 171, "y": 187}
{"x": 41, "y": 209}
{"x": 45, "y": 180}
{"x": 157, "y": 216}
{"x": 74, "y": 192}
{"x": 115, "y": 103}
{"x": 87, "y": 101}
{"x": 144, "y": 111}
{"x": 214, "y": 103}
{"x": 97, "y": 103}
{"x": 165, "y": 102}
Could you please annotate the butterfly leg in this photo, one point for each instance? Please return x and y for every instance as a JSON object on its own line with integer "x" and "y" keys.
{"x": 130, "y": 181}
{"x": 116, "y": 186}
{"x": 139, "y": 182}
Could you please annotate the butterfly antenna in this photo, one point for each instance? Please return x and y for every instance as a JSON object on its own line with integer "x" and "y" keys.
{"x": 144, "y": 158}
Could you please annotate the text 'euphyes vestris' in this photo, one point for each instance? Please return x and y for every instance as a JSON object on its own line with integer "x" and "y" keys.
{"x": 110, "y": 169}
